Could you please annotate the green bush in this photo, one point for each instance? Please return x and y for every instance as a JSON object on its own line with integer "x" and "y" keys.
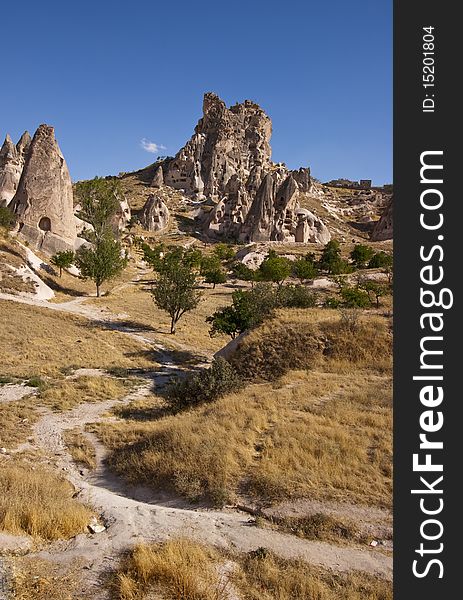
{"x": 380, "y": 260}
{"x": 295, "y": 296}
{"x": 361, "y": 255}
{"x": 7, "y": 218}
{"x": 205, "y": 386}
{"x": 355, "y": 298}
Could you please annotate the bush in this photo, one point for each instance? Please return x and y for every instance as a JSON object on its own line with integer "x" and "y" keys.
{"x": 275, "y": 268}
{"x": 380, "y": 260}
{"x": 205, "y": 386}
{"x": 241, "y": 271}
{"x": 361, "y": 255}
{"x": 355, "y": 298}
{"x": 295, "y": 296}
{"x": 304, "y": 269}
{"x": 7, "y": 218}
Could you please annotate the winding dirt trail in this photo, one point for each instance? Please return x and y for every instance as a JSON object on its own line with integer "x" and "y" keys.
{"x": 132, "y": 515}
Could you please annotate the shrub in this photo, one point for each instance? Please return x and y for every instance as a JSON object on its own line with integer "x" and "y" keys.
{"x": 295, "y": 296}
{"x": 353, "y": 297}
{"x": 380, "y": 260}
{"x": 63, "y": 260}
{"x": 205, "y": 386}
{"x": 361, "y": 255}
{"x": 304, "y": 269}
{"x": 241, "y": 271}
{"x": 275, "y": 268}
{"x": 7, "y": 218}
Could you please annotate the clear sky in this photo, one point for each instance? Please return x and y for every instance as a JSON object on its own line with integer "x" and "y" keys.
{"x": 120, "y": 79}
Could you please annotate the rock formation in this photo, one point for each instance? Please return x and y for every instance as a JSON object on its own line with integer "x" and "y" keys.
{"x": 12, "y": 159}
{"x": 158, "y": 178}
{"x": 383, "y": 229}
{"x": 155, "y": 214}
{"x": 123, "y": 215}
{"x": 43, "y": 201}
{"x": 228, "y": 161}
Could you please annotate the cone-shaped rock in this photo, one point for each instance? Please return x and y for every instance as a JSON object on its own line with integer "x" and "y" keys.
{"x": 155, "y": 214}
{"x": 383, "y": 230}
{"x": 158, "y": 178}
{"x": 43, "y": 202}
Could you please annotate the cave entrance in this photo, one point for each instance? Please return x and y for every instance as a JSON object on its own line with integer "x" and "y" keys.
{"x": 45, "y": 224}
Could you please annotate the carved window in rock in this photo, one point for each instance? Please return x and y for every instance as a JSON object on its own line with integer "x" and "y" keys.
{"x": 45, "y": 224}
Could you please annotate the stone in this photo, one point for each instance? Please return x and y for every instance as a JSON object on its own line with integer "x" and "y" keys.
{"x": 123, "y": 215}
{"x": 43, "y": 201}
{"x": 12, "y": 159}
{"x": 155, "y": 214}
{"x": 383, "y": 229}
{"x": 310, "y": 229}
{"x": 158, "y": 179}
{"x": 96, "y": 527}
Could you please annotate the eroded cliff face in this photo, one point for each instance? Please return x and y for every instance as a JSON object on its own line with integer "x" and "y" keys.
{"x": 43, "y": 201}
{"x": 383, "y": 229}
{"x": 228, "y": 160}
{"x": 12, "y": 159}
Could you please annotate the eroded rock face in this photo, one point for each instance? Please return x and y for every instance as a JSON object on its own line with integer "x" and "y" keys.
{"x": 228, "y": 160}
{"x": 155, "y": 214}
{"x": 43, "y": 201}
{"x": 226, "y": 142}
{"x": 12, "y": 159}
{"x": 383, "y": 230}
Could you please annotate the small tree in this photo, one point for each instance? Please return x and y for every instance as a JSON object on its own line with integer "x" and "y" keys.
{"x": 353, "y": 297}
{"x": 243, "y": 272}
{"x": 224, "y": 252}
{"x": 63, "y": 260}
{"x": 275, "y": 268}
{"x": 361, "y": 255}
{"x": 214, "y": 277}
{"x": 176, "y": 291}
{"x": 304, "y": 270}
{"x": 331, "y": 260}
{"x": 211, "y": 270}
{"x": 375, "y": 289}
{"x": 101, "y": 261}
{"x": 380, "y": 260}
{"x": 99, "y": 199}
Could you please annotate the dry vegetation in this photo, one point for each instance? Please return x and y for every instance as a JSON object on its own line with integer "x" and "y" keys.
{"x": 36, "y": 502}
{"x": 16, "y": 421}
{"x": 81, "y": 450}
{"x": 315, "y": 433}
{"x": 68, "y": 394}
{"x": 38, "y": 341}
{"x": 183, "y": 570}
{"x": 36, "y": 579}
{"x": 262, "y": 576}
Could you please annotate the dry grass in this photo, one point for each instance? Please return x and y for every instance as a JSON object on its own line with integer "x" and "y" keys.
{"x": 40, "y": 341}
{"x": 176, "y": 570}
{"x": 315, "y": 434}
{"x": 37, "y": 503}
{"x": 16, "y": 421}
{"x": 81, "y": 450}
{"x": 192, "y": 329}
{"x": 36, "y": 579}
{"x": 314, "y": 338}
{"x": 318, "y": 526}
{"x": 68, "y": 394}
{"x": 263, "y": 576}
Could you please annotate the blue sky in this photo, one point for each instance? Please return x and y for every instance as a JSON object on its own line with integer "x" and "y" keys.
{"x": 108, "y": 75}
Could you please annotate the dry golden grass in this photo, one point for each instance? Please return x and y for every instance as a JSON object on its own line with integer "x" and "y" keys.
{"x": 67, "y": 394}
{"x": 192, "y": 329}
{"x": 16, "y": 421}
{"x": 176, "y": 570}
{"x": 321, "y": 435}
{"x": 36, "y": 579}
{"x": 36, "y": 502}
{"x": 262, "y": 576}
{"x": 318, "y": 526}
{"x": 81, "y": 450}
{"x": 40, "y": 341}
{"x": 313, "y": 338}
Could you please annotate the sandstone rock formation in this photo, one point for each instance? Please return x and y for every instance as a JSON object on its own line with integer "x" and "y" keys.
{"x": 155, "y": 214}
{"x": 123, "y": 215}
{"x": 228, "y": 160}
{"x": 43, "y": 201}
{"x": 158, "y": 178}
{"x": 383, "y": 230}
{"x": 12, "y": 159}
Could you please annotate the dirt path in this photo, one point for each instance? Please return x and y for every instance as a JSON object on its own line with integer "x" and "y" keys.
{"x": 132, "y": 515}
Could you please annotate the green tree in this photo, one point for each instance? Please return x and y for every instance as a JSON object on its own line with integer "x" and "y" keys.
{"x": 353, "y": 297}
{"x": 176, "y": 291}
{"x": 243, "y": 272}
{"x": 101, "y": 261}
{"x": 375, "y": 289}
{"x": 99, "y": 201}
{"x": 212, "y": 271}
{"x": 380, "y": 260}
{"x": 331, "y": 261}
{"x": 214, "y": 277}
{"x": 224, "y": 252}
{"x": 361, "y": 255}
{"x": 275, "y": 268}
{"x": 304, "y": 270}
{"x": 63, "y": 260}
